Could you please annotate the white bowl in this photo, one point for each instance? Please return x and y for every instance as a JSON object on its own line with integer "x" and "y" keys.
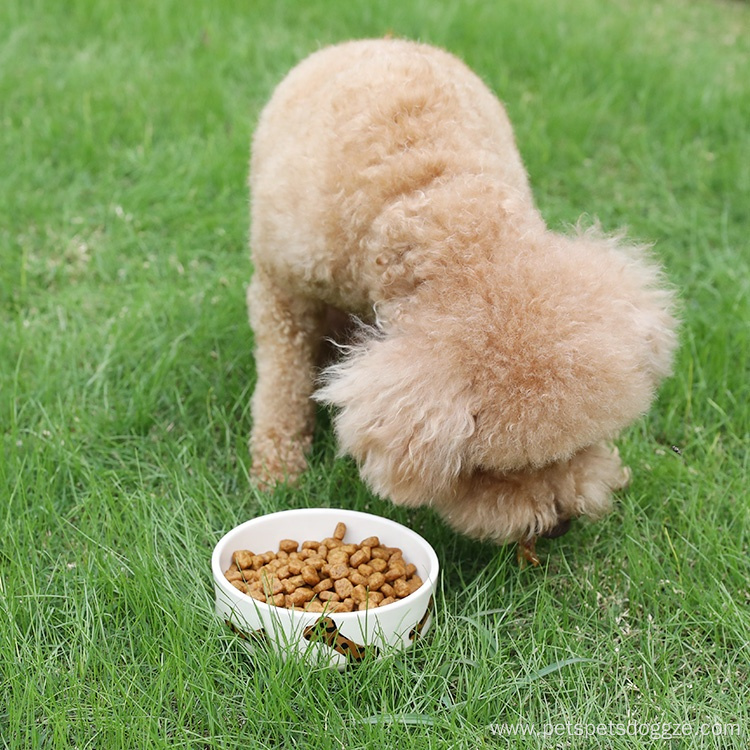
{"x": 340, "y": 638}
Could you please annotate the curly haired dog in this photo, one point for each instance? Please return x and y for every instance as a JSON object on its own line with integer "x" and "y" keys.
{"x": 502, "y": 356}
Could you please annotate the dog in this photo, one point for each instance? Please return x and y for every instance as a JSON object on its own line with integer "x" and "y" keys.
{"x": 496, "y": 360}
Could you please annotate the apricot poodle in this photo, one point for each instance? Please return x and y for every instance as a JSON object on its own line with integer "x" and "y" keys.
{"x": 496, "y": 359}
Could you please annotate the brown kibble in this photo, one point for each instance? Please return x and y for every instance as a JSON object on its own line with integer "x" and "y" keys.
{"x": 310, "y": 575}
{"x": 357, "y": 578}
{"x": 395, "y": 571}
{"x": 293, "y": 583}
{"x": 343, "y": 587}
{"x": 272, "y": 586}
{"x": 330, "y": 575}
{"x": 315, "y": 562}
{"x": 375, "y": 581}
{"x": 262, "y": 573}
{"x": 373, "y": 598}
{"x": 341, "y": 570}
{"x": 401, "y": 587}
{"x": 243, "y": 558}
{"x": 325, "y": 585}
{"x": 358, "y": 558}
{"x": 301, "y": 596}
{"x": 387, "y": 589}
{"x": 336, "y": 556}
{"x": 378, "y": 564}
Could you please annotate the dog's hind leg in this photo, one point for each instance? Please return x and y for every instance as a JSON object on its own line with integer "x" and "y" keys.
{"x": 287, "y": 332}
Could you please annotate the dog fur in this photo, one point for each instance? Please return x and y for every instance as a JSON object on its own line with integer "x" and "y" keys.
{"x": 500, "y": 357}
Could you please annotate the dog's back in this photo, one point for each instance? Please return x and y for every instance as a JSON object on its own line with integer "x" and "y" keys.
{"x": 350, "y": 130}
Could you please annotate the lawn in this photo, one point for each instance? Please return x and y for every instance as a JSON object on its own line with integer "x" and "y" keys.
{"x": 126, "y": 368}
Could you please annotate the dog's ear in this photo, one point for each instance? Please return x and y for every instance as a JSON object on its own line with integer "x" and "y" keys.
{"x": 401, "y": 417}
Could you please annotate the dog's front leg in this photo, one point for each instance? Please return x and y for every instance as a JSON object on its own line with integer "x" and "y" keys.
{"x": 287, "y": 332}
{"x": 526, "y": 552}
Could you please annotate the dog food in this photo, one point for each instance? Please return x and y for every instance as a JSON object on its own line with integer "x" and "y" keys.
{"x": 330, "y": 575}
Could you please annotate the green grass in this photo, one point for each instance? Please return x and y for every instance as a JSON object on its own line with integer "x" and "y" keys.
{"x": 126, "y": 367}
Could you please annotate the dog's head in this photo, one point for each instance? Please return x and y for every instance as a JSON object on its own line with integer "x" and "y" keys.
{"x": 515, "y": 371}
{"x": 420, "y": 419}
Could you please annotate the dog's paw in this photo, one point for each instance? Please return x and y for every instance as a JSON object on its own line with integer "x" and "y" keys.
{"x": 276, "y": 461}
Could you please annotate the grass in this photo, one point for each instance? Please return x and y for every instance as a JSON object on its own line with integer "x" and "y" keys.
{"x": 126, "y": 367}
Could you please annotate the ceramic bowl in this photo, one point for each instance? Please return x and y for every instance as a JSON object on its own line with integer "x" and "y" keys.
{"x": 339, "y": 638}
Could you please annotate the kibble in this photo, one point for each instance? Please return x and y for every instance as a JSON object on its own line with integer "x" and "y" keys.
{"x": 288, "y": 545}
{"x": 343, "y": 587}
{"x": 331, "y": 575}
{"x": 339, "y": 570}
{"x": 310, "y": 575}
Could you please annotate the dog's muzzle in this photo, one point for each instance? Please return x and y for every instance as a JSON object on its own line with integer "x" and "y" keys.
{"x": 562, "y": 527}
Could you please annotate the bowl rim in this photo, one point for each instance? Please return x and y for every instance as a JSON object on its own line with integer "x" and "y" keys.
{"x": 429, "y": 583}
